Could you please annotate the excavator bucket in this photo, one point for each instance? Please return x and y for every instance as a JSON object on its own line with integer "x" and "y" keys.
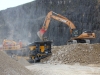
{"x": 40, "y": 33}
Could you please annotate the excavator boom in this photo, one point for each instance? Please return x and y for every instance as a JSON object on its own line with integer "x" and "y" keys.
{"x": 55, "y": 16}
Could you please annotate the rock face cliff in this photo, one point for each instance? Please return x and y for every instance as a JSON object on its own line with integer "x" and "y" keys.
{"x": 23, "y": 22}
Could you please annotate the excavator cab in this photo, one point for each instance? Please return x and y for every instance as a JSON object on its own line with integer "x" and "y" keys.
{"x": 75, "y": 33}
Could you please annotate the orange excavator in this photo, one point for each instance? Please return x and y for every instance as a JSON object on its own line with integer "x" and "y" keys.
{"x": 76, "y": 35}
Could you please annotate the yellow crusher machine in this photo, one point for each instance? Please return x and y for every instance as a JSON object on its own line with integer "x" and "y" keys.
{"x": 39, "y": 50}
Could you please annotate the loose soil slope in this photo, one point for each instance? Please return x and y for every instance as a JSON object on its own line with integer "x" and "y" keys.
{"x": 75, "y": 53}
{"x": 10, "y": 67}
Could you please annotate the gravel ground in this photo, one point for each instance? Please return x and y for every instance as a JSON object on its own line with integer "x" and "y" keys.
{"x": 63, "y": 69}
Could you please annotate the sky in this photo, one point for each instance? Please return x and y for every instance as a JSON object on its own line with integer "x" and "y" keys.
{"x": 4, "y": 4}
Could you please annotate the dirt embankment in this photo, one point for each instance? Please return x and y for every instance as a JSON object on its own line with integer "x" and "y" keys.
{"x": 75, "y": 53}
{"x": 9, "y": 66}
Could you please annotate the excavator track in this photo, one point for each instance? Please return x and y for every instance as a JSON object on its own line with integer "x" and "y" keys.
{"x": 87, "y": 41}
{"x": 78, "y": 41}
{"x": 72, "y": 42}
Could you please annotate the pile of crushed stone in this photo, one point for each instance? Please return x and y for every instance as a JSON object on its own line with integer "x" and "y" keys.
{"x": 23, "y": 61}
{"x": 8, "y": 66}
{"x": 75, "y": 53}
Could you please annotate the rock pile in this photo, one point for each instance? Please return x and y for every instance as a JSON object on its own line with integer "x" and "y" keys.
{"x": 9, "y": 66}
{"x": 75, "y": 53}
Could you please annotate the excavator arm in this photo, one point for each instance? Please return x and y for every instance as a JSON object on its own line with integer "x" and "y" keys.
{"x": 57, "y": 17}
